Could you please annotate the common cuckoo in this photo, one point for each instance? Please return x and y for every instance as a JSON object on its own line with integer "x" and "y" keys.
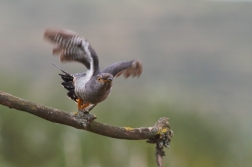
{"x": 93, "y": 86}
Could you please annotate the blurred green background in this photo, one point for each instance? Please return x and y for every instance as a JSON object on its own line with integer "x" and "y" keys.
{"x": 197, "y": 71}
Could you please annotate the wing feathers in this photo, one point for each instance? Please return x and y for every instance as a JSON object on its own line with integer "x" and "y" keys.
{"x": 54, "y": 34}
{"x": 70, "y": 46}
{"x": 134, "y": 70}
{"x": 130, "y": 68}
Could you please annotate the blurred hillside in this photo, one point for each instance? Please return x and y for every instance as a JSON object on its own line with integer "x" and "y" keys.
{"x": 197, "y": 71}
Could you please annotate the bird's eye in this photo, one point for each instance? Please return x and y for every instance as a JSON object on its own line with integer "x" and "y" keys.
{"x": 99, "y": 78}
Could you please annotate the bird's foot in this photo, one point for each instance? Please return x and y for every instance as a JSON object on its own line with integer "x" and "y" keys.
{"x": 84, "y": 118}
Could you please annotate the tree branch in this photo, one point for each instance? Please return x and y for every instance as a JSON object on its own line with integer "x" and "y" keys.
{"x": 160, "y": 133}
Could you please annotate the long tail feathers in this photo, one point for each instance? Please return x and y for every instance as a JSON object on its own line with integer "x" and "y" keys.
{"x": 62, "y": 70}
{"x": 68, "y": 83}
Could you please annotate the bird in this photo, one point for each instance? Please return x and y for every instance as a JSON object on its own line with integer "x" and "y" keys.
{"x": 93, "y": 86}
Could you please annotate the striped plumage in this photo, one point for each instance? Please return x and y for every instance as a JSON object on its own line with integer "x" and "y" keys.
{"x": 93, "y": 86}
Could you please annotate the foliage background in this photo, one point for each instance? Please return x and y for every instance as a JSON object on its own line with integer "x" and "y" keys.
{"x": 197, "y": 71}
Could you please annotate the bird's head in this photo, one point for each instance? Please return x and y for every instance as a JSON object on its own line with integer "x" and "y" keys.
{"x": 105, "y": 79}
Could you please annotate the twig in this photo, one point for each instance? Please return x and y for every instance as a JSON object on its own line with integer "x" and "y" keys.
{"x": 159, "y": 156}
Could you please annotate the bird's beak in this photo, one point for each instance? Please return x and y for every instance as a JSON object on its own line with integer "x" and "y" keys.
{"x": 109, "y": 80}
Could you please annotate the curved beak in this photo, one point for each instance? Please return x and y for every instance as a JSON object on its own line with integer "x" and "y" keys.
{"x": 109, "y": 80}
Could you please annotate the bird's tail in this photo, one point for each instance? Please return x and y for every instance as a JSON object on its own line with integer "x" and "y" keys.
{"x": 68, "y": 83}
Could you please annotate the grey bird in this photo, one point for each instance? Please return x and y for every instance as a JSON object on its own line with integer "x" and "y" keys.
{"x": 93, "y": 86}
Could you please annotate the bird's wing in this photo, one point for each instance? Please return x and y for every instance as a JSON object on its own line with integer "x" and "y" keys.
{"x": 71, "y": 47}
{"x": 129, "y": 68}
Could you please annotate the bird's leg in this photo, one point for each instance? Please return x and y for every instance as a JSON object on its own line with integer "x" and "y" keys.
{"x": 84, "y": 106}
{"x": 81, "y": 104}
{"x": 90, "y": 107}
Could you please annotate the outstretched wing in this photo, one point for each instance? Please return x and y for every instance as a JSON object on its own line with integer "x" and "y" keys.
{"x": 129, "y": 68}
{"x": 71, "y": 47}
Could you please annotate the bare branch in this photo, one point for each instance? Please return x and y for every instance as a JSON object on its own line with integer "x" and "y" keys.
{"x": 159, "y": 156}
{"x": 160, "y": 134}
{"x": 78, "y": 120}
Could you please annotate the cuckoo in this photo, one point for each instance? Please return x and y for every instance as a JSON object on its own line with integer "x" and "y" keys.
{"x": 93, "y": 86}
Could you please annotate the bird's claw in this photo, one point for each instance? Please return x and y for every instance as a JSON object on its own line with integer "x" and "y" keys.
{"x": 84, "y": 118}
